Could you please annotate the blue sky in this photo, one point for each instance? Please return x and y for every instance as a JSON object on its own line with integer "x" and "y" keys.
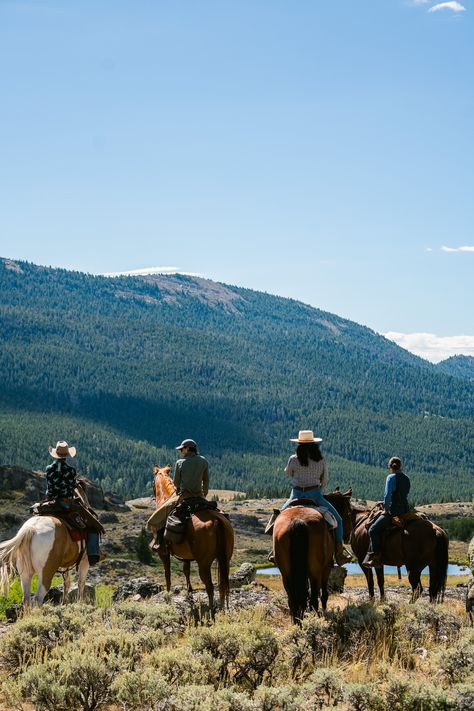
{"x": 318, "y": 150}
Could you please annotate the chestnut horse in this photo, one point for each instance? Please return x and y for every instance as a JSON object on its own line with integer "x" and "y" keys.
{"x": 304, "y": 550}
{"x": 419, "y": 544}
{"x": 209, "y": 537}
{"x": 44, "y": 546}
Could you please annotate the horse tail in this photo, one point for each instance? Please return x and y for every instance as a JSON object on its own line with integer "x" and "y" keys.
{"x": 298, "y": 578}
{"x": 222, "y": 563}
{"x": 439, "y": 567}
{"x": 15, "y": 554}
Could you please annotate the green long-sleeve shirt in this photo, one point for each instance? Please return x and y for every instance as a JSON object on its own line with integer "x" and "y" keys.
{"x": 192, "y": 473}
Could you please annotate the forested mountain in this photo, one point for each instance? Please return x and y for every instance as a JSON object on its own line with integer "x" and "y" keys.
{"x": 459, "y": 365}
{"x": 125, "y": 367}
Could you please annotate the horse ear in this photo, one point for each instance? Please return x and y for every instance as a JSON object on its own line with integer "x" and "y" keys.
{"x": 348, "y": 492}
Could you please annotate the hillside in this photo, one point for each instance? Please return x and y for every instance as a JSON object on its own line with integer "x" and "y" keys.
{"x": 125, "y": 367}
{"x": 460, "y": 366}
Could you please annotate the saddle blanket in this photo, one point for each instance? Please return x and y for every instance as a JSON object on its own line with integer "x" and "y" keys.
{"x": 323, "y": 510}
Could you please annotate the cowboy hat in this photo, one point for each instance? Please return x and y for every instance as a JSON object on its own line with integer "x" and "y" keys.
{"x": 62, "y": 450}
{"x": 305, "y": 436}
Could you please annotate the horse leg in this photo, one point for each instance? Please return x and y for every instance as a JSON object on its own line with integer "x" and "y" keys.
{"x": 369, "y": 576}
{"x": 45, "y": 578}
{"x": 206, "y": 577}
{"x": 415, "y": 582}
{"x": 165, "y": 559}
{"x": 25, "y": 579}
{"x": 380, "y": 581}
{"x": 324, "y": 594}
{"x": 187, "y": 573}
{"x": 66, "y": 585}
{"x": 82, "y": 571}
{"x": 314, "y": 596}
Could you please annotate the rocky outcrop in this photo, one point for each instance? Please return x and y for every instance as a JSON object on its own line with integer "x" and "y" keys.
{"x": 21, "y": 485}
{"x": 243, "y": 576}
{"x": 136, "y": 588}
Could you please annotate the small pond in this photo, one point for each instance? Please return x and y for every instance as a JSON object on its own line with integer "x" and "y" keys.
{"x": 355, "y": 569}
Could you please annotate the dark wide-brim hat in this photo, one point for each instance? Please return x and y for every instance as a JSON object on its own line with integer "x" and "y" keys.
{"x": 62, "y": 450}
{"x": 187, "y": 443}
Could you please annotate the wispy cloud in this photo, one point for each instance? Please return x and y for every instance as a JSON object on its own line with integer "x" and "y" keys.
{"x": 432, "y": 347}
{"x": 147, "y": 271}
{"x": 454, "y": 6}
{"x": 466, "y": 248}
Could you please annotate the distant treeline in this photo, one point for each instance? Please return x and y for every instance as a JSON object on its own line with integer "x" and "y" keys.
{"x": 127, "y": 367}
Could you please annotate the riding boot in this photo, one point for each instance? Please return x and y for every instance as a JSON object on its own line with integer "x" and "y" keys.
{"x": 341, "y": 555}
{"x": 269, "y": 526}
{"x": 372, "y": 560}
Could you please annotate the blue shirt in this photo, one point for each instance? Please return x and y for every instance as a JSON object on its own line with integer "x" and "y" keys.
{"x": 395, "y": 500}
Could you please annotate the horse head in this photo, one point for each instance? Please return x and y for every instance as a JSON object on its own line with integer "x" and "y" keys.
{"x": 163, "y": 486}
{"x": 342, "y": 503}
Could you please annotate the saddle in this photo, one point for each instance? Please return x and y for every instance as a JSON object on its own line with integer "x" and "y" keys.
{"x": 77, "y": 518}
{"x": 397, "y": 522}
{"x": 176, "y": 522}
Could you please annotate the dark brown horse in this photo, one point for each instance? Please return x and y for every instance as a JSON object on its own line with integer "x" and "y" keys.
{"x": 420, "y": 544}
{"x": 304, "y": 550}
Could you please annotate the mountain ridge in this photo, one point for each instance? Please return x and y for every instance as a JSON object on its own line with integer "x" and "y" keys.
{"x": 150, "y": 358}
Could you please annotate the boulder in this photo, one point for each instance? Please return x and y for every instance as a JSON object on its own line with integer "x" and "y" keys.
{"x": 243, "y": 576}
{"x": 113, "y": 502}
{"x": 30, "y": 485}
{"x": 9, "y": 524}
{"x": 141, "y": 587}
{"x": 88, "y": 597}
{"x": 108, "y": 517}
{"x": 336, "y": 580}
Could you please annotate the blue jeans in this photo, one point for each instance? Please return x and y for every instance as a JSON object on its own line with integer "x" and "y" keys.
{"x": 376, "y": 530}
{"x": 317, "y": 496}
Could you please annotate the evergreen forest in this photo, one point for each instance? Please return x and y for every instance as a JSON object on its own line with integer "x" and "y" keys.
{"x": 124, "y": 368}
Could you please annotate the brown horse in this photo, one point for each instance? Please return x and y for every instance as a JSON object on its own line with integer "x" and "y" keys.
{"x": 420, "y": 544}
{"x": 209, "y": 537}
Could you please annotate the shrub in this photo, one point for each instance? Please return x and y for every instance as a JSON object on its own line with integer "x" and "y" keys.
{"x": 278, "y": 698}
{"x": 134, "y": 616}
{"x": 458, "y": 663}
{"x": 464, "y": 698}
{"x": 406, "y": 695}
{"x": 180, "y": 666}
{"x": 136, "y": 690}
{"x": 28, "y": 641}
{"x": 323, "y": 688}
{"x": 429, "y": 623}
{"x": 221, "y": 642}
{"x": 258, "y": 650}
{"x": 364, "y": 697}
{"x": 42, "y": 686}
{"x": 360, "y": 629}
{"x": 88, "y": 679}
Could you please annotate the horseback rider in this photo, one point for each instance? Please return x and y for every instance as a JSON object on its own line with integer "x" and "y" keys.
{"x": 191, "y": 477}
{"x": 61, "y": 483}
{"x": 309, "y": 475}
{"x": 395, "y": 503}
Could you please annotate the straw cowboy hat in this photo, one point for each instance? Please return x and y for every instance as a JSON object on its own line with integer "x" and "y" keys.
{"x": 62, "y": 450}
{"x": 305, "y": 436}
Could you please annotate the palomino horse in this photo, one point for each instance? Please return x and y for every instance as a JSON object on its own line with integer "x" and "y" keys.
{"x": 44, "y": 546}
{"x": 419, "y": 544}
{"x": 209, "y": 537}
{"x": 304, "y": 550}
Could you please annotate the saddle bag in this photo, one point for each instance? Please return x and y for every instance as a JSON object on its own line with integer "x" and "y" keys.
{"x": 175, "y": 528}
